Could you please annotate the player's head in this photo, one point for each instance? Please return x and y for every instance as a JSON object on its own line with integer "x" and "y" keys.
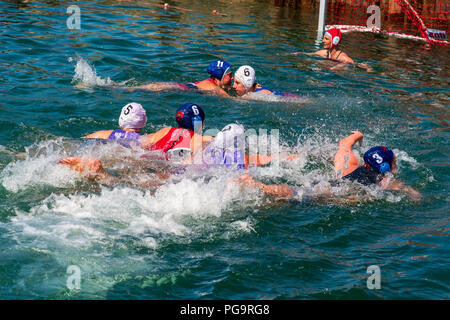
{"x": 189, "y": 116}
{"x": 380, "y": 159}
{"x": 332, "y": 37}
{"x": 232, "y": 137}
{"x": 221, "y": 70}
{"x": 133, "y": 116}
{"x": 244, "y": 79}
{"x": 228, "y": 148}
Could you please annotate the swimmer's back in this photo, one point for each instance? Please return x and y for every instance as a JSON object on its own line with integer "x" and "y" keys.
{"x": 209, "y": 85}
{"x": 364, "y": 175}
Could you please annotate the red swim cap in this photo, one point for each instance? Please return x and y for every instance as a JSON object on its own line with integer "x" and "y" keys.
{"x": 335, "y": 35}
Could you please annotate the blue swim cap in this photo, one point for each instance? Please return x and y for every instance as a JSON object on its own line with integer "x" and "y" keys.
{"x": 379, "y": 158}
{"x": 218, "y": 69}
{"x": 189, "y": 113}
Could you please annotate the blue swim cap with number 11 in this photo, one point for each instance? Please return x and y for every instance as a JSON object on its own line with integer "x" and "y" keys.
{"x": 218, "y": 69}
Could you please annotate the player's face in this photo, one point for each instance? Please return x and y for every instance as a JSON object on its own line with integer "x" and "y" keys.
{"x": 227, "y": 79}
{"x": 239, "y": 87}
{"x": 326, "y": 42}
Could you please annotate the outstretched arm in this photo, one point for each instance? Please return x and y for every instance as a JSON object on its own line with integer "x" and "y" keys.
{"x": 261, "y": 160}
{"x": 280, "y": 191}
{"x": 297, "y": 53}
{"x": 152, "y": 86}
{"x": 365, "y": 66}
{"x": 93, "y": 170}
{"x": 345, "y": 161}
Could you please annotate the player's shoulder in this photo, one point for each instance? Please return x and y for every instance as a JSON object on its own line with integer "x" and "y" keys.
{"x": 345, "y": 58}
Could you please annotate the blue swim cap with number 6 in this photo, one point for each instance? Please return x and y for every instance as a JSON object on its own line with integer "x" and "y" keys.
{"x": 379, "y": 158}
{"x": 218, "y": 69}
{"x": 189, "y": 113}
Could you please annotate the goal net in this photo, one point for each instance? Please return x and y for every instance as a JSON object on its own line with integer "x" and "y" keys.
{"x": 426, "y": 20}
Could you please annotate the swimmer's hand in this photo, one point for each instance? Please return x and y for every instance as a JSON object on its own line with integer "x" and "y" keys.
{"x": 365, "y": 66}
{"x": 81, "y": 85}
{"x": 247, "y": 181}
{"x": 389, "y": 184}
{"x": 21, "y": 155}
{"x": 91, "y": 168}
{"x": 292, "y": 157}
{"x": 413, "y": 194}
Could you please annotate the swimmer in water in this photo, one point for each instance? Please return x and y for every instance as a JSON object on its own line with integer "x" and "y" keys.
{"x": 331, "y": 41}
{"x": 220, "y": 80}
{"x": 168, "y": 140}
{"x": 170, "y": 143}
{"x": 131, "y": 121}
{"x": 245, "y": 84}
{"x": 181, "y": 142}
{"x": 379, "y": 162}
{"x": 227, "y": 150}
{"x": 330, "y": 51}
{"x": 173, "y": 144}
{"x": 221, "y": 77}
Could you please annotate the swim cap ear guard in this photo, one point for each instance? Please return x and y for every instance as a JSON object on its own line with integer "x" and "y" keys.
{"x": 385, "y": 167}
{"x": 336, "y": 40}
{"x": 379, "y": 158}
{"x": 190, "y": 116}
{"x": 218, "y": 69}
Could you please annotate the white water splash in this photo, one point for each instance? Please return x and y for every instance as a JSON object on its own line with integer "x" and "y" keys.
{"x": 86, "y": 75}
{"x": 176, "y": 208}
{"x": 402, "y": 156}
{"x": 41, "y": 169}
{"x": 243, "y": 225}
{"x": 261, "y": 96}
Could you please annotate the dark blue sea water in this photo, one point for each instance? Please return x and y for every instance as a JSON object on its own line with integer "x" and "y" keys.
{"x": 202, "y": 238}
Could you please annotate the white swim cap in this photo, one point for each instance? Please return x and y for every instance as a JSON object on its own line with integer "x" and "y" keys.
{"x": 246, "y": 75}
{"x": 232, "y": 137}
{"x": 133, "y": 116}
